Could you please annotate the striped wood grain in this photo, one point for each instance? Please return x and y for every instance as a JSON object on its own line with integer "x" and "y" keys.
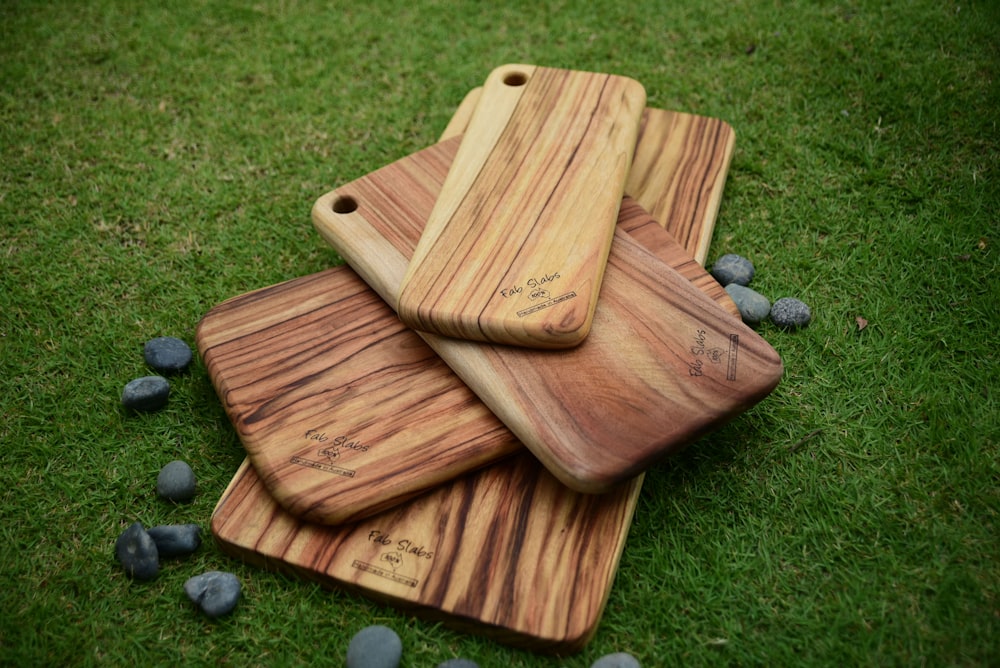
{"x": 515, "y": 246}
{"x": 678, "y": 172}
{"x": 665, "y": 365}
{"x": 249, "y": 525}
{"x": 507, "y": 551}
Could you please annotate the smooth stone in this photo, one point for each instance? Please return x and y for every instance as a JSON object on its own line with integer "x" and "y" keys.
{"x": 146, "y": 394}
{"x": 374, "y": 647}
{"x": 176, "y": 482}
{"x": 458, "y": 663}
{"x": 790, "y": 313}
{"x": 616, "y": 660}
{"x": 137, "y": 553}
{"x": 732, "y": 268}
{"x": 215, "y": 592}
{"x": 753, "y": 306}
{"x": 167, "y": 354}
{"x": 173, "y": 540}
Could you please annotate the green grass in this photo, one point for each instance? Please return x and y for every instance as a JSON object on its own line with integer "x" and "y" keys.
{"x": 159, "y": 158}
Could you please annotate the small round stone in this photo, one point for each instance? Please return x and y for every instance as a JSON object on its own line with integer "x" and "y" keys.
{"x": 753, "y": 306}
{"x": 173, "y": 540}
{"x": 146, "y": 394}
{"x": 732, "y": 268}
{"x": 616, "y": 660}
{"x": 215, "y": 592}
{"x": 790, "y": 313}
{"x": 374, "y": 647}
{"x": 176, "y": 482}
{"x": 137, "y": 553}
{"x": 458, "y": 663}
{"x": 167, "y": 354}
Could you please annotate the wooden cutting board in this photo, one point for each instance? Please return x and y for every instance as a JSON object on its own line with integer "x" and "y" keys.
{"x": 343, "y": 410}
{"x": 665, "y": 365}
{"x": 507, "y": 551}
{"x": 515, "y": 246}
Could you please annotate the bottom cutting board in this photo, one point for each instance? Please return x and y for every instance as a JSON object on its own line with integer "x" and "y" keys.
{"x": 507, "y": 551}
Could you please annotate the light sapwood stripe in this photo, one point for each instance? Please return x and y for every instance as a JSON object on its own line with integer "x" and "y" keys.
{"x": 590, "y": 420}
{"x": 532, "y": 193}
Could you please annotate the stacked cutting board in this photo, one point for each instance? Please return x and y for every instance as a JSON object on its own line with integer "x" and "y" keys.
{"x": 458, "y": 423}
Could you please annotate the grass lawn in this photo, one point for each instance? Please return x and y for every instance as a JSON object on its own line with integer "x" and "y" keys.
{"x": 160, "y": 158}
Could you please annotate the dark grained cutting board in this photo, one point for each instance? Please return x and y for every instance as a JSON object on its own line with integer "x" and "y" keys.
{"x": 343, "y": 410}
{"x": 662, "y": 365}
{"x": 506, "y": 551}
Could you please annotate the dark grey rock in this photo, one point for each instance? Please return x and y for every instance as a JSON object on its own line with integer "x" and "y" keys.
{"x": 137, "y": 553}
{"x": 215, "y": 592}
{"x": 753, "y": 306}
{"x": 790, "y": 313}
{"x": 167, "y": 354}
{"x": 146, "y": 394}
{"x": 374, "y": 647}
{"x": 174, "y": 540}
{"x": 176, "y": 482}
{"x": 732, "y": 268}
{"x": 616, "y": 660}
{"x": 458, "y": 663}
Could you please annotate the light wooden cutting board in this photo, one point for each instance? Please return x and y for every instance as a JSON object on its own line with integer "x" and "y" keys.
{"x": 343, "y": 410}
{"x": 515, "y": 246}
{"x": 507, "y": 551}
{"x": 662, "y": 365}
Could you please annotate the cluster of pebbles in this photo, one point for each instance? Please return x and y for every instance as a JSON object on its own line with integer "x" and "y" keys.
{"x": 139, "y": 549}
{"x": 379, "y": 646}
{"x": 734, "y": 273}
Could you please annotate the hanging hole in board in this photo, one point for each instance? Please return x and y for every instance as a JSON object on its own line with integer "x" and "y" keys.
{"x": 516, "y": 79}
{"x": 345, "y": 204}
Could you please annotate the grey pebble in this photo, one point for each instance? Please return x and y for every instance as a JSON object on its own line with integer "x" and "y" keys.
{"x": 616, "y": 660}
{"x": 458, "y": 663}
{"x": 176, "y": 482}
{"x": 374, "y": 647}
{"x": 173, "y": 540}
{"x": 753, "y": 306}
{"x": 790, "y": 313}
{"x": 149, "y": 393}
{"x": 215, "y": 592}
{"x": 732, "y": 268}
{"x": 137, "y": 553}
{"x": 167, "y": 354}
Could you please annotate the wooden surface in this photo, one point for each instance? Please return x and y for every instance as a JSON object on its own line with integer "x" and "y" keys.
{"x": 342, "y": 409}
{"x": 665, "y": 364}
{"x": 515, "y": 246}
{"x": 507, "y": 551}
{"x": 567, "y": 544}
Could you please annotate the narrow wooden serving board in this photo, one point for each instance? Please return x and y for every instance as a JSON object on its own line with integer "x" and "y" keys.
{"x": 515, "y": 246}
{"x": 662, "y": 365}
{"x": 343, "y": 410}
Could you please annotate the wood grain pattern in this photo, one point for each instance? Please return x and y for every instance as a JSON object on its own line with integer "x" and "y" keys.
{"x": 535, "y": 600}
{"x": 515, "y": 246}
{"x": 665, "y": 365}
{"x": 342, "y": 409}
{"x": 678, "y": 172}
